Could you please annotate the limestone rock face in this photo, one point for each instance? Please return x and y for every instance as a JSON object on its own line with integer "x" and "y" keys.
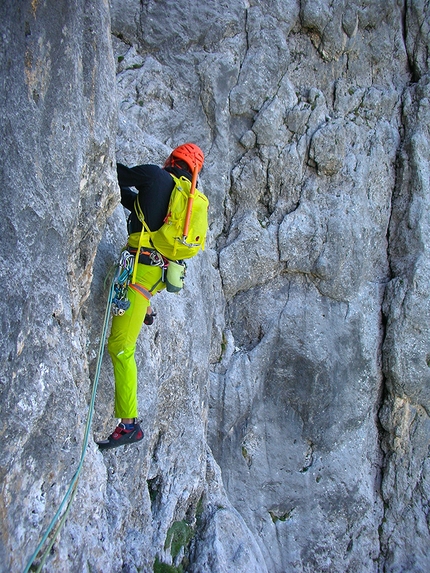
{"x": 284, "y": 393}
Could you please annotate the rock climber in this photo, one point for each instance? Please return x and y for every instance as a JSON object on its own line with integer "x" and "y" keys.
{"x": 154, "y": 186}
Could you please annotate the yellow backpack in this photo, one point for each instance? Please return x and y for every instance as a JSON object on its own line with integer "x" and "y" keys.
{"x": 179, "y": 238}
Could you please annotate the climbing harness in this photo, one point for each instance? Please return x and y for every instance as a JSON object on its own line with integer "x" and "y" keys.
{"x": 70, "y": 493}
{"x": 172, "y": 272}
{"x": 143, "y": 291}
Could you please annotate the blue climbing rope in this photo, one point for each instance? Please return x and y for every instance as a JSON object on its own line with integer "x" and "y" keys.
{"x": 70, "y": 493}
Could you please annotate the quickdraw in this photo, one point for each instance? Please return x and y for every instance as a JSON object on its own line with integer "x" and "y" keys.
{"x": 120, "y": 302}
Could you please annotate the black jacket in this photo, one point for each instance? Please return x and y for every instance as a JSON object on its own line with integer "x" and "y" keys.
{"x": 154, "y": 186}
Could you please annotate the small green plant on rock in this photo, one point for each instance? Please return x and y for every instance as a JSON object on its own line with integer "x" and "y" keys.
{"x": 178, "y": 538}
{"x": 160, "y": 567}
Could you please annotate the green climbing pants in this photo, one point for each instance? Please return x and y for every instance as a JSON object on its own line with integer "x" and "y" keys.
{"x": 123, "y": 337}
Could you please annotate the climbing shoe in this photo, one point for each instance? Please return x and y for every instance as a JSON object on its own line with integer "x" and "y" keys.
{"x": 121, "y": 436}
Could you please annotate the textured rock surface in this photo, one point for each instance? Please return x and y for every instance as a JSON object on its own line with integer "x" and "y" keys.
{"x": 284, "y": 392}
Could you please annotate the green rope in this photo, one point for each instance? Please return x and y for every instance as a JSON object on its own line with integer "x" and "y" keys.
{"x": 70, "y": 494}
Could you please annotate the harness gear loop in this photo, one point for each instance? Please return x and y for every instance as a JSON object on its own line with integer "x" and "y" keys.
{"x": 120, "y": 303}
{"x": 157, "y": 258}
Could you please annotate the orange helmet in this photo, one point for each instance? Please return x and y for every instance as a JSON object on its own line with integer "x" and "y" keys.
{"x": 190, "y": 153}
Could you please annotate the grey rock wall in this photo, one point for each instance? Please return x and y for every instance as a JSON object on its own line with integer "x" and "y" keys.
{"x": 58, "y": 114}
{"x": 284, "y": 393}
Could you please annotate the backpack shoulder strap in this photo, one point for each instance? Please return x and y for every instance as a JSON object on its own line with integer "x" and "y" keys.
{"x": 140, "y": 216}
